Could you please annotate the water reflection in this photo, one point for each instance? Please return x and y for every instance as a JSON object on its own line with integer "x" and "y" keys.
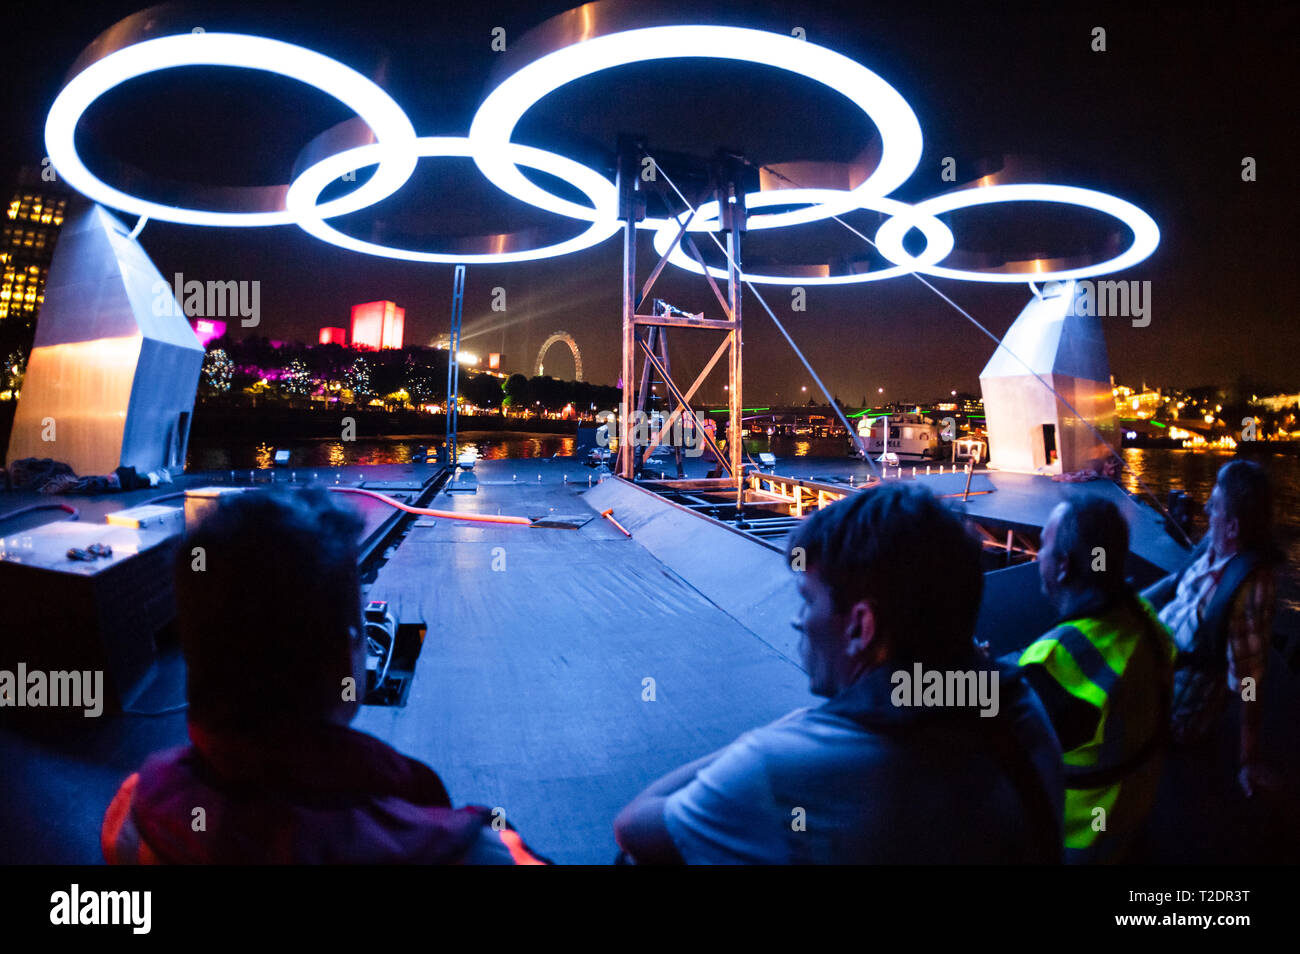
{"x": 789, "y": 446}
{"x": 334, "y": 453}
{"x": 1195, "y": 471}
{"x": 1165, "y": 470}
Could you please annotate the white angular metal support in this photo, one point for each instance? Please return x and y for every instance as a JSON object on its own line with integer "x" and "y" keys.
{"x": 1030, "y": 428}
{"x": 115, "y": 365}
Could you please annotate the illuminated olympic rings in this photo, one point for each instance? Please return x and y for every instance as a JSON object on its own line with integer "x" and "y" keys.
{"x": 938, "y": 238}
{"x": 396, "y": 150}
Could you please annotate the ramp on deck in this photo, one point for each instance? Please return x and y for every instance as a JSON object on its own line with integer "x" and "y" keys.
{"x": 529, "y": 693}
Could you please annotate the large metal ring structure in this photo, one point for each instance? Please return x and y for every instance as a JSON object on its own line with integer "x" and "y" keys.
{"x": 256, "y": 206}
{"x": 1146, "y": 234}
{"x": 580, "y": 43}
{"x": 492, "y": 249}
{"x": 939, "y": 240}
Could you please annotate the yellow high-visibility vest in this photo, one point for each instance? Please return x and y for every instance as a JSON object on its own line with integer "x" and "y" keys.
{"x": 1120, "y": 663}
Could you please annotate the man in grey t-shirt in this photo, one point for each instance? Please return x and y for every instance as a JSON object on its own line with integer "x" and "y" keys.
{"x": 926, "y": 752}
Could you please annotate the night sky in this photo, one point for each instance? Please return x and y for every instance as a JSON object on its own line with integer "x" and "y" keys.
{"x": 1163, "y": 118}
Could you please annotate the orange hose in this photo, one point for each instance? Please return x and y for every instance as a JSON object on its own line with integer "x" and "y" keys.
{"x": 427, "y": 512}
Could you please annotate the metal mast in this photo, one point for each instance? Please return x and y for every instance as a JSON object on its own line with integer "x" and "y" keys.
{"x": 453, "y": 361}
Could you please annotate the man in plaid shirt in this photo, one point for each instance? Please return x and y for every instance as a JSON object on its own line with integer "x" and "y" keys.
{"x": 1220, "y": 611}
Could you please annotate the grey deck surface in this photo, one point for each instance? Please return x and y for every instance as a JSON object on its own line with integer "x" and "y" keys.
{"x": 528, "y": 692}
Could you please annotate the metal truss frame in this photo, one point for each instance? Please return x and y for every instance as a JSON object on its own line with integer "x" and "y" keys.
{"x": 728, "y": 189}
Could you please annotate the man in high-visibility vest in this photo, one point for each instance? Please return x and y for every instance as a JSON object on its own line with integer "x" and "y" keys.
{"x": 1104, "y": 673}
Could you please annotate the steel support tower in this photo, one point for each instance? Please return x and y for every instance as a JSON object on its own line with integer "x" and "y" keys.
{"x": 638, "y": 173}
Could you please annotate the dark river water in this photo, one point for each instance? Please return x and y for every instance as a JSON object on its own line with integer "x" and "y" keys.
{"x": 1160, "y": 470}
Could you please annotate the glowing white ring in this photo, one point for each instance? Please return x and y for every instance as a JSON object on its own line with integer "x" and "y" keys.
{"x": 939, "y": 240}
{"x": 1146, "y": 234}
{"x": 505, "y": 106}
{"x": 302, "y": 196}
{"x": 375, "y": 107}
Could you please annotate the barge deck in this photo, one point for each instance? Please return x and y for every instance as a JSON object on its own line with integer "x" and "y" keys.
{"x": 563, "y": 669}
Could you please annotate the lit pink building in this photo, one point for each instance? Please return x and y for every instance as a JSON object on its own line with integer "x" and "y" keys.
{"x": 334, "y": 336}
{"x": 377, "y": 324}
{"x": 207, "y": 330}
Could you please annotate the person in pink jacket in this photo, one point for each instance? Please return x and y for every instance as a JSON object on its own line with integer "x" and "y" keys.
{"x": 269, "y": 612}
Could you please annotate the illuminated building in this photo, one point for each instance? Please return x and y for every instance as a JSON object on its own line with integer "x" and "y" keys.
{"x": 1277, "y": 402}
{"x": 337, "y": 336}
{"x": 1141, "y": 404}
{"x": 208, "y": 330}
{"x": 394, "y": 319}
{"x": 31, "y": 227}
{"x": 377, "y": 325}
{"x": 494, "y": 361}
